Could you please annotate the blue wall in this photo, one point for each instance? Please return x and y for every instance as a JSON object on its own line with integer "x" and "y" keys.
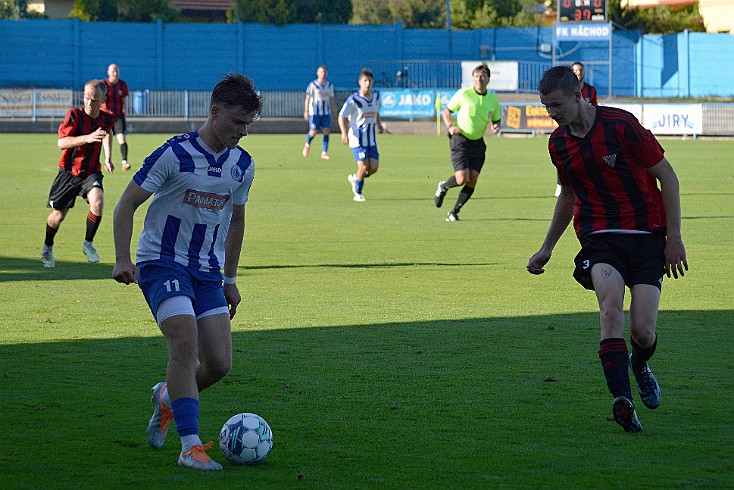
{"x": 158, "y": 56}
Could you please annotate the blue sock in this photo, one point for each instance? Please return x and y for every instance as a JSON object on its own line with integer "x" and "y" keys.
{"x": 358, "y": 184}
{"x": 308, "y": 138}
{"x": 325, "y": 144}
{"x": 186, "y": 416}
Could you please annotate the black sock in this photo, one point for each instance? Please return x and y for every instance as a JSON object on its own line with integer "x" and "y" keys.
{"x": 50, "y": 234}
{"x": 450, "y": 183}
{"x": 92, "y": 226}
{"x": 123, "y": 150}
{"x": 641, "y": 355}
{"x": 613, "y": 356}
{"x": 464, "y": 196}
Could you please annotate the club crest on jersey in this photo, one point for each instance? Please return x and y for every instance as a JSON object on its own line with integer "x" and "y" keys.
{"x": 610, "y": 160}
{"x": 236, "y": 173}
{"x": 205, "y": 200}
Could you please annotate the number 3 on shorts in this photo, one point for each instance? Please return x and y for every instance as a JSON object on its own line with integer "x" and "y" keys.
{"x": 586, "y": 264}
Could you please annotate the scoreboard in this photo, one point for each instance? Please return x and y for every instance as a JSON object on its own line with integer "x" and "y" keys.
{"x": 582, "y": 10}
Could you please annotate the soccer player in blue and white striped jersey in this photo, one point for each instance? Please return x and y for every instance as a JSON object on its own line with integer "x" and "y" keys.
{"x": 361, "y": 112}
{"x": 188, "y": 255}
{"x": 318, "y": 109}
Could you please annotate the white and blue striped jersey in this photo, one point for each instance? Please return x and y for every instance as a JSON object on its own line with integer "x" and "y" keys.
{"x": 194, "y": 190}
{"x": 321, "y": 95}
{"x": 362, "y": 114}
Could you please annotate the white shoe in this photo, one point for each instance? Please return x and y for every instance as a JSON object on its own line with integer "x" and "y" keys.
{"x": 47, "y": 257}
{"x": 558, "y": 190}
{"x": 352, "y": 180}
{"x": 90, "y": 251}
{"x": 306, "y": 149}
{"x": 359, "y": 198}
{"x": 325, "y": 156}
{"x": 125, "y": 166}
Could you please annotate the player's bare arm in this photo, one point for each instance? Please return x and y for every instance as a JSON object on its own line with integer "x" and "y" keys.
{"x": 232, "y": 249}
{"x": 562, "y": 215}
{"x": 343, "y": 129}
{"x": 125, "y": 271}
{"x": 675, "y": 252}
{"x": 73, "y": 141}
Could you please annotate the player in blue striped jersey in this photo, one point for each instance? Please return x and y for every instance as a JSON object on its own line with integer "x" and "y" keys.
{"x": 361, "y": 112}
{"x": 318, "y": 108}
{"x": 193, "y": 231}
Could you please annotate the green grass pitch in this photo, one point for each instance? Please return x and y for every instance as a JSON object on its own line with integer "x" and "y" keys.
{"x": 386, "y": 347}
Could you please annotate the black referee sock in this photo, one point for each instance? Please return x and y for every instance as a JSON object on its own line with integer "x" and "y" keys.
{"x": 450, "y": 183}
{"x": 613, "y": 356}
{"x": 123, "y": 150}
{"x": 464, "y": 196}
{"x": 641, "y": 355}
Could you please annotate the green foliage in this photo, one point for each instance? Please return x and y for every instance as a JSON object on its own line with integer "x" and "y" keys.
{"x": 386, "y": 347}
{"x": 147, "y": 11}
{"x": 91, "y": 10}
{"x": 281, "y": 12}
{"x": 17, "y": 9}
{"x": 476, "y": 14}
{"x": 659, "y": 20}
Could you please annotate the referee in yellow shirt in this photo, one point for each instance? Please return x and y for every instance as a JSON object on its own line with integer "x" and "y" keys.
{"x": 475, "y": 107}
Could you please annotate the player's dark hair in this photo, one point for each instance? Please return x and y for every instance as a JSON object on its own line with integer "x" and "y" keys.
{"x": 483, "y": 68}
{"x": 578, "y": 63}
{"x": 558, "y": 78}
{"x": 366, "y": 72}
{"x": 237, "y": 90}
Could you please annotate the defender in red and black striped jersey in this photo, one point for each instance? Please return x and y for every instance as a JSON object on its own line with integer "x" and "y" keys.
{"x": 116, "y": 103}
{"x": 80, "y": 139}
{"x": 609, "y": 167}
{"x": 588, "y": 91}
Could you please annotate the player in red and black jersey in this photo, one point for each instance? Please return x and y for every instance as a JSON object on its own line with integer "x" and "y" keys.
{"x": 588, "y": 91}
{"x": 80, "y": 139}
{"x": 609, "y": 167}
{"x": 116, "y": 103}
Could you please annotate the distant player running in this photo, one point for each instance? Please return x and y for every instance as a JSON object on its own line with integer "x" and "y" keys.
{"x": 80, "y": 172}
{"x": 193, "y": 231}
{"x": 630, "y": 230}
{"x": 359, "y": 121}
{"x": 318, "y": 108}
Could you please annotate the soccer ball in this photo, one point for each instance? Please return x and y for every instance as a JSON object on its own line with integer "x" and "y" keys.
{"x": 245, "y": 439}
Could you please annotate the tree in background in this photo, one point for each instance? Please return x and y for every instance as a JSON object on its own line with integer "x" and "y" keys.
{"x": 146, "y": 11}
{"x": 104, "y": 10}
{"x": 465, "y": 14}
{"x": 659, "y": 20}
{"x": 17, "y": 9}
{"x": 281, "y": 12}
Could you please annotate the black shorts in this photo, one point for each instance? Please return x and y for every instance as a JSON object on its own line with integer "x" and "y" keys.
{"x": 638, "y": 257}
{"x": 120, "y": 126}
{"x": 466, "y": 153}
{"x": 67, "y": 186}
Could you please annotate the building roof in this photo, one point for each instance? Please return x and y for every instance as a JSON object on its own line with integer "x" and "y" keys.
{"x": 202, "y": 4}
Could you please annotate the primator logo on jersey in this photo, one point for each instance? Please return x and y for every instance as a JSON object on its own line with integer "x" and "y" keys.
{"x": 205, "y": 200}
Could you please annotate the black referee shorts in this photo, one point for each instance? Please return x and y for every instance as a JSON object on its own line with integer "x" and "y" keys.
{"x": 638, "y": 257}
{"x": 466, "y": 153}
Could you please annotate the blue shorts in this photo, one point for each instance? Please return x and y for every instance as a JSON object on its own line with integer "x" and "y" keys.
{"x": 319, "y": 122}
{"x": 163, "y": 280}
{"x": 362, "y": 153}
